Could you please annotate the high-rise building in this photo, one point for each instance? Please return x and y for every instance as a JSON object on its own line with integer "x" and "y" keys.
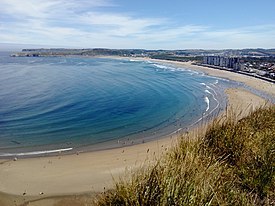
{"x": 228, "y": 62}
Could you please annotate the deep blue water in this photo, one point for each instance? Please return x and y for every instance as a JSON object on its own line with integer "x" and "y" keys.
{"x": 49, "y": 103}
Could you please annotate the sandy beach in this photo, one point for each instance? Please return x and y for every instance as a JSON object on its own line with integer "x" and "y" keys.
{"x": 36, "y": 178}
{"x": 248, "y": 80}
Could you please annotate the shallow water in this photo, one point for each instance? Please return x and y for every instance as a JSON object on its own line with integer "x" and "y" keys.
{"x": 52, "y": 103}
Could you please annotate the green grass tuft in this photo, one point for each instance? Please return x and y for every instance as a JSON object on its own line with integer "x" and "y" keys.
{"x": 232, "y": 163}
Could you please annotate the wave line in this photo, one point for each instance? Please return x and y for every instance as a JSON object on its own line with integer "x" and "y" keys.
{"x": 35, "y": 152}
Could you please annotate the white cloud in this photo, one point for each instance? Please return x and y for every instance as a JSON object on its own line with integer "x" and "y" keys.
{"x": 119, "y": 24}
{"x": 49, "y": 8}
{"x": 172, "y": 34}
{"x": 82, "y": 24}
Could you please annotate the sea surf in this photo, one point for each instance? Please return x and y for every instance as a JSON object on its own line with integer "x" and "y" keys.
{"x": 67, "y": 104}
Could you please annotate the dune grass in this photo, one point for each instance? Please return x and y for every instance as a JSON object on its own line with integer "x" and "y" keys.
{"x": 232, "y": 163}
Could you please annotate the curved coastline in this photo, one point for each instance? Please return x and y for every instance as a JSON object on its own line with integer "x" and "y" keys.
{"x": 94, "y": 171}
{"x": 163, "y": 130}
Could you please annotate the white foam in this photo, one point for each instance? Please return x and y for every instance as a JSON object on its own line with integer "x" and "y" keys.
{"x": 170, "y": 68}
{"x": 213, "y": 95}
{"x": 193, "y": 72}
{"x": 207, "y": 91}
{"x": 134, "y": 60}
{"x": 35, "y": 152}
{"x": 206, "y": 99}
{"x": 222, "y": 79}
{"x": 178, "y": 130}
{"x": 161, "y": 66}
{"x": 213, "y": 89}
{"x": 81, "y": 63}
{"x": 215, "y": 99}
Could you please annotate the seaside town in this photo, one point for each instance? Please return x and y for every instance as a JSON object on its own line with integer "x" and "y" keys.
{"x": 253, "y": 66}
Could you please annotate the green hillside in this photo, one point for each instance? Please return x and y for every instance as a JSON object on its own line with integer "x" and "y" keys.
{"x": 232, "y": 163}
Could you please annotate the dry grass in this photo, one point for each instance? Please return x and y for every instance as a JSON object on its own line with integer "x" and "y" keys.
{"x": 233, "y": 163}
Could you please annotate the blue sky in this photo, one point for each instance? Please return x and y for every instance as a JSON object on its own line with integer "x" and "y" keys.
{"x": 155, "y": 24}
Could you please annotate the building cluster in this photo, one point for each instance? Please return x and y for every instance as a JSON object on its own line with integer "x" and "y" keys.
{"x": 222, "y": 61}
{"x": 256, "y": 67}
{"x": 259, "y": 68}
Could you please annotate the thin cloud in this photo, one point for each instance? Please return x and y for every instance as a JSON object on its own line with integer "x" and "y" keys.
{"x": 49, "y": 8}
{"x": 82, "y": 24}
{"x": 118, "y": 24}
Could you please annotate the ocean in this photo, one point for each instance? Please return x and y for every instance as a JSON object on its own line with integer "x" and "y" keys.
{"x": 62, "y": 104}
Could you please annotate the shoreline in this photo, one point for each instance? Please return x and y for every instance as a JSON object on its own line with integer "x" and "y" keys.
{"x": 239, "y": 72}
{"x": 238, "y": 77}
{"x": 151, "y": 134}
{"x": 94, "y": 171}
{"x": 248, "y": 80}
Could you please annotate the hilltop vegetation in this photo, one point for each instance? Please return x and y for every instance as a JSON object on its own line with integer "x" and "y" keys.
{"x": 232, "y": 163}
{"x": 176, "y": 55}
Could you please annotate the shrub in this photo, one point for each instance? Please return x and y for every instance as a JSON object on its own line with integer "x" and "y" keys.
{"x": 231, "y": 164}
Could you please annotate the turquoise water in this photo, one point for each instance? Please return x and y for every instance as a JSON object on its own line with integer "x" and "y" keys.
{"x": 64, "y": 103}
